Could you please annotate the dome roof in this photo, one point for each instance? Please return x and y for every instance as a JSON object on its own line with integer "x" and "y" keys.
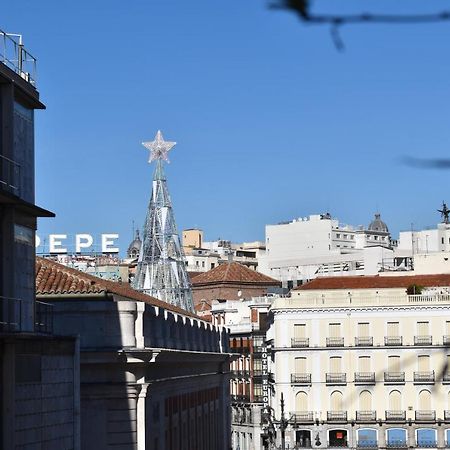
{"x": 378, "y": 225}
{"x": 135, "y": 247}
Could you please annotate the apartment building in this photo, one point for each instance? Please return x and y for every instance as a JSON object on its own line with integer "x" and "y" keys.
{"x": 363, "y": 362}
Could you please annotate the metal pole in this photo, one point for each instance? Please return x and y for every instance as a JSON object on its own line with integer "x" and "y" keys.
{"x": 282, "y": 425}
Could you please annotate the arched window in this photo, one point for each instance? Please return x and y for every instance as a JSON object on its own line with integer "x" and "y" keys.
{"x": 336, "y": 401}
{"x": 301, "y": 402}
{"x": 424, "y": 400}
{"x": 426, "y": 437}
{"x": 395, "y": 401}
{"x": 396, "y": 437}
{"x": 365, "y": 401}
{"x": 367, "y": 437}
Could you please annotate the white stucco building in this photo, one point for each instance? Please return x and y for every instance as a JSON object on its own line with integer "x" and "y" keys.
{"x": 318, "y": 245}
{"x": 363, "y": 364}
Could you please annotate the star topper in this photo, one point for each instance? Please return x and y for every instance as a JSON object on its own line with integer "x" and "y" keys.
{"x": 159, "y": 147}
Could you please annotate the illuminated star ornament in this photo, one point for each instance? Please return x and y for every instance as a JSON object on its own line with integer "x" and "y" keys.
{"x": 159, "y": 147}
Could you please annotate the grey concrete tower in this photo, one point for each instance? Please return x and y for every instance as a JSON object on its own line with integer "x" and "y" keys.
{"x": 161, "y": 270}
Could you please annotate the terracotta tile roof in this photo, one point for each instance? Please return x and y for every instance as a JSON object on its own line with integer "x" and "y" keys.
{"x": 192, "y": 275}
{"x": 233, "y": 273}
{"x": 376, "y": 282}
{"x": 54, "y": 278}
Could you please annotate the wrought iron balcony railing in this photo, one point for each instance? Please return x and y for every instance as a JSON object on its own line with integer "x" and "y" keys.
{"x": 300, "y": 342}
{"x": 423, "y": 340}
{"x": 447, "y": 415}
{"x": 302, "y": 417}
{"x": 338, "y": 443}
{"x": 395, "y": 416}
{"x": 366, "y": 416}
{"x": 337, "y": 416}
{"x": 393, "y": 340}
{"x": 425, "y": 416}
{"x": 336, "y": 378}
{"x": 393, "y": 444}
{"x": 300, "y": 378}
{"x": 446, "y": 378}
{"x": 365, "y": 377}
{"x": 364, "y": 341}
{"x": 335, "y": 342}
{"x": 424, "y": 377}
{"x": 426, "y": 443}
{"x": 394, "y": 377}
{"x": 367, "y": 444}
{"x": 240, "y": 398}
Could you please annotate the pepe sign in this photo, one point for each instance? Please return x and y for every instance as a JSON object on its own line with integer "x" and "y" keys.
{"x": 60, "y": 244}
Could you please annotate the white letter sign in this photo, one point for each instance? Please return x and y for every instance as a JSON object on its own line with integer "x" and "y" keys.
{"x": 55, "y": 243}
{"x": 107, "y": 241}
{"x": 83, "y": 241}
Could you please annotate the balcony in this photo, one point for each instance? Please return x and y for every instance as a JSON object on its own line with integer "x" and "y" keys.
{"x": 364, "y": 341}
{"x": 365, "y": 377}
{"x": 446, "y": 340}
{"x": 335, "y": 342}
{"x": 393, "y": 444}
{"x": 447, "y": 415}
{"x": 424, "y": 377}
{"x": 302, "y": 417}
{"x": 259, "y": 349}
{"x": 423, "y": 340}
{"x": 240, "y": 350}
{"x": 240, "y": 398}
{"x": 336, "y": 378}
{"x": 299, "y": 342}
{"x": 301, "y": 378}
{"x": 426, "y": 444}
{"x": 393, "y": 340}
{"x": 425, "y": 416}
{"x": 366, "y": 416}
{"x": 9, "y": 175}
{"x": 446, "y": 377}
{"x": 369, "y": 444}
{"x": 337, "y": 416}
{"x": 395, "y": 416}
{"x": 258, "y": 398}
{"x": 394, "y": 377}
{"x": 240, "y": 373}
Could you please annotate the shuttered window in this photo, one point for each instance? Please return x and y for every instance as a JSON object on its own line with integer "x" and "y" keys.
{"x": 363, "y": 329}
{"x": 299, "y": 330}
{"x": 423, "y": 363}
{"x": 425, "y": 400}
{"x": 364, "y": 363}
{"x": 393, "y": 329}
{"x": 335, "y": 330}
{"x": 336, "y": 401}
{"x": 301, "y": 402}
{"x": 365, "y": 401}
{"x": 300, "y": 365}
{"x": 394, "y": 364}
{"x": 423, "y": 329}
{"x": 395, "y": 401}
{"x": 447, "y": 327}
{"x": 335, "y": 364}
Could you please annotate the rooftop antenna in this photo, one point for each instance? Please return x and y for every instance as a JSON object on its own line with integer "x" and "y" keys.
{"x": 445, "y": 213}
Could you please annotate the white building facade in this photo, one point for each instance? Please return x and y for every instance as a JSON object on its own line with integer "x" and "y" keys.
{"x": 361, "y": 364}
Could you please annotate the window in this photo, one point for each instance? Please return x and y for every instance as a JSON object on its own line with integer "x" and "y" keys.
{"x": 365, "y": 401}
{"x": 426, "y": 437}
{"x": 301, "y": 402}
{"x": 303, "y": 438}
{"x": 423, "y": 328}
{"x": 396, "y": 436}
{"x": 338, "y": 235}
{"x": 345, "y": 236}
{"x": 299, "y": 330}
{"x": 337, "y": 438}
{"x": 395, "y": 401}
{"x": 335, "y": 364}
{"x": 363, "y": 329}
{"x": 425, "y": 400}
{"x": 364, "y": 363}
{"x": 336, "y": 401}
{"x": 203, "y": 263}
{"x": 213, "y": 265}
{"x": 300, "y": 365}
{"x": 394, "y": 363}
{"x": 367, "y": 437}
{"x": 335, "y": 330}
{"x": 423, "y": 363}
{"x": 393, "y": 329}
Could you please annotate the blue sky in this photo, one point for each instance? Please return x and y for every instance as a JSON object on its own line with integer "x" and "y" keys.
{"x": 271, "y": 121}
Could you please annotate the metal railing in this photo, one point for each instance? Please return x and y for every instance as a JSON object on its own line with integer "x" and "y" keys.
{"x": 425, "y": 416}
{"x": 394, "y": 377}
{"x": 396, "y": 444}
{"x": 447, "y": 415}
{"x": 367, "y": 443}
{"x": 9, "y": 175}
{"x": 393, "y": 340}
{"x": 424, "y": 377}
{"x": 338, "y": 443}
{"x": 240, "y": 398}
{"x": 337, "y": 416}
{"x": 446, "y": 378}
{"x": 14, "y": 56}
{"x": 426, "y": 443}
{"x": 366, "y": 416}
{"x": 300, "y": 378}
{"x": 10, "y": 314}
{"x": 365, "y": 377}
{"x": 335, "y": 342}
{"x": 423, "y": 340}
{"x": 299, "y": 342}
{"x": 446, "y": 340}
{"x": 302, "y": 417}
{"x": 395, "y": 416}
{"x": 364, "y": 341}
{"x": 336, "y": 378}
